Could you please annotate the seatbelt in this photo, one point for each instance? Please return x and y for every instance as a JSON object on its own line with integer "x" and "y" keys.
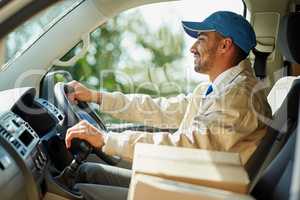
{"x": 260, "y": 63}
{"x": 288, "y": 71}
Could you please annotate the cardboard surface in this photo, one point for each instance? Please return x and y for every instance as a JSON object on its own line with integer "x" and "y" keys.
{"x": 52, "y": 196}
{"x": 145, "y": 187}
{"x": 221, "y": 170}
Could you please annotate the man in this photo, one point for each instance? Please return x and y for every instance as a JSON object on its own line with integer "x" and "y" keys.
{"x": 222, "y": 115}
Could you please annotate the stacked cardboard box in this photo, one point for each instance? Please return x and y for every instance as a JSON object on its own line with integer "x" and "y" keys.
{"x": 179, "y": 166}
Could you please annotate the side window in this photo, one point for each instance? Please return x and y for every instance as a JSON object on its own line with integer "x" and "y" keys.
{"x": 16, "y": 42}
{"x": 144, "y": 50}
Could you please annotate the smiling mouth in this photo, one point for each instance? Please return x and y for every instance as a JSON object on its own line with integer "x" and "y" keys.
{"x": 197, "y": 61}
{"x": 196, "y": 57}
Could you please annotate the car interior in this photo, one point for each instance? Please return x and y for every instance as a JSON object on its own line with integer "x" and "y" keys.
{"x": 36, "y": 112}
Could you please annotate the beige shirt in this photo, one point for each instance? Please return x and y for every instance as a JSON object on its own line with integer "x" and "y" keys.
{"x": 228, "y": 119}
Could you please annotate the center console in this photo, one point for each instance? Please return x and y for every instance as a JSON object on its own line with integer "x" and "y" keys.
{"x": 24, "y": 140}
{"x": 23, "y": 146}
{"x": 33, "y": 158}
{"x": 24, "y": 122}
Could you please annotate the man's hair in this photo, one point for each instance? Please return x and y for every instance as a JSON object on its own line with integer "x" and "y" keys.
{"x": 240, "y": 54}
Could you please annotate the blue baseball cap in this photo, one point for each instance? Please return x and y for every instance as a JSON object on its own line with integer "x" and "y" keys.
{"x": 228, "y": 24}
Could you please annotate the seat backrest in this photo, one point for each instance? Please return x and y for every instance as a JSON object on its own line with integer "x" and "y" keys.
{"x": 279, "y": 91}
{"x": 284, "y": 108}
{"x": 275, "y": 181}
{"x": 279, "y": 129}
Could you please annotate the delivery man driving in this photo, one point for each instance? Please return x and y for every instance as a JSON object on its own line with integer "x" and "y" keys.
{"x": 222, "y": 115}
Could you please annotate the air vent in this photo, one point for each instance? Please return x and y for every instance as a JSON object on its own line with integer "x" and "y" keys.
{"x": 6, "y": 135}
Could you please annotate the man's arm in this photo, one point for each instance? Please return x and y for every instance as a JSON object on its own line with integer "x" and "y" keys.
{"x": 228, "y": 125}
{"x": 159, "y": 112}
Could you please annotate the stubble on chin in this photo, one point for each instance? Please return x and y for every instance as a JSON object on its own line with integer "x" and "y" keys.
{"x": 197, "y": 69}
{"x": 197, "y": 66}
{"x": 200, "y": 69}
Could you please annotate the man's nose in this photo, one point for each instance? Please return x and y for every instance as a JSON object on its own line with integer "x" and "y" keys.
{"x": 193, "y": 48}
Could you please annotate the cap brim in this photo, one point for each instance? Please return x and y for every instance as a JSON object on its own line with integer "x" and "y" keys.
{"x": 193, "y": 29}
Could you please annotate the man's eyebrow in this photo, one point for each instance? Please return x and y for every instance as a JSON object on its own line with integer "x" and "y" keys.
{"x": 202, "y": 34}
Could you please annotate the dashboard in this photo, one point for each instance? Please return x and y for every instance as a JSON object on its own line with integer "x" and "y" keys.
{"x": 32, "y": 147}
{"x": 24, "y": 122}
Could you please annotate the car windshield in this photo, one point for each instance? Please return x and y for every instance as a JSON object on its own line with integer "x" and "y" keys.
{"x": 22, "y": 37}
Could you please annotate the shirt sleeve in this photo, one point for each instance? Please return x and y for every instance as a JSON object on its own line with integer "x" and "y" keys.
{"x": 158, "y": 112}
{"x": 224, "y": 126}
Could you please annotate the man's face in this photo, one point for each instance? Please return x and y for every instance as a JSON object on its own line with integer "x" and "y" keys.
{"x": 204, "y": 50}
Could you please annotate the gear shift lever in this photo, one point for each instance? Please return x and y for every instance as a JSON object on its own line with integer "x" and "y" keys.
{"x": 67, "y": 177}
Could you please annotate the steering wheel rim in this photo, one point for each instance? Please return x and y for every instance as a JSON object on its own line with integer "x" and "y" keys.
{"x": 71, "y": 111}
{"x": 71, "y": 117}
{"x": 63, "y": 103}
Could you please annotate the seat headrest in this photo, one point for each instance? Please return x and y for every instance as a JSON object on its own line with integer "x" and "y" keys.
{"x": 288, "y": 37}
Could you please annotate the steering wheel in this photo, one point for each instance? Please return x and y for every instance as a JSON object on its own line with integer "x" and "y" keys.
{"x": 76, "y": 112}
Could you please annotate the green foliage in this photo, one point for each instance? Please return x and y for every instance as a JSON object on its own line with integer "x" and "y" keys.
{"x": 111, "y": 63}
{"x": 107, "y": 57}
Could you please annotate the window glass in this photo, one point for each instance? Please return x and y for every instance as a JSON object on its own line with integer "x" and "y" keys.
{"x": 145, "y": 50}
{"x": 23, "y": 36}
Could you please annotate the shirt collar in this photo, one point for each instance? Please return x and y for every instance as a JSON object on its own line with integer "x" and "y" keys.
{"x": 226, "y": 77}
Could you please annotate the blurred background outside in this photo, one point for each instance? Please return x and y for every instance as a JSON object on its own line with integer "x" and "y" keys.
{"x": 142, "y": 50}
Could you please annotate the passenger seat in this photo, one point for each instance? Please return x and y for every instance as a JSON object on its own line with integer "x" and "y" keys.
{"x": 279, "y": 91}
{"x": 284, "y": 104}
{"x": 284, "y": 122}
{"x": 275, "y": 180}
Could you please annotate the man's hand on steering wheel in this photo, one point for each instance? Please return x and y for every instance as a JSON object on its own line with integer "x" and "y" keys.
{"x": 82, "y": 93}
{"x": 85, "y": 131}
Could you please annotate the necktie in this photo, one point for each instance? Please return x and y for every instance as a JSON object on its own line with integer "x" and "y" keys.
{"x": 209, "y": 90}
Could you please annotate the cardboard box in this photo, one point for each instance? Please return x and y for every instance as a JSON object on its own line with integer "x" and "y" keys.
{"x": 144, "y": 187}
{"x": 220, "y": 170}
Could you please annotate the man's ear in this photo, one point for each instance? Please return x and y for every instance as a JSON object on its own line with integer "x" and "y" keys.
{"x": 225, "y": 45}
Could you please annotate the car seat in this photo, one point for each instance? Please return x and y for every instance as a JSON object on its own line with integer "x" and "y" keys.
{"x": 279, "y": 91}
{"x": 279, "y": 129}
{"x": 275, "y": 180}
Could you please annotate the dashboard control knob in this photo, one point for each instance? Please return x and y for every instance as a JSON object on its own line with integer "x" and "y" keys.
{"x": 10, "y": 128}
{"x": 19, "y": 120}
